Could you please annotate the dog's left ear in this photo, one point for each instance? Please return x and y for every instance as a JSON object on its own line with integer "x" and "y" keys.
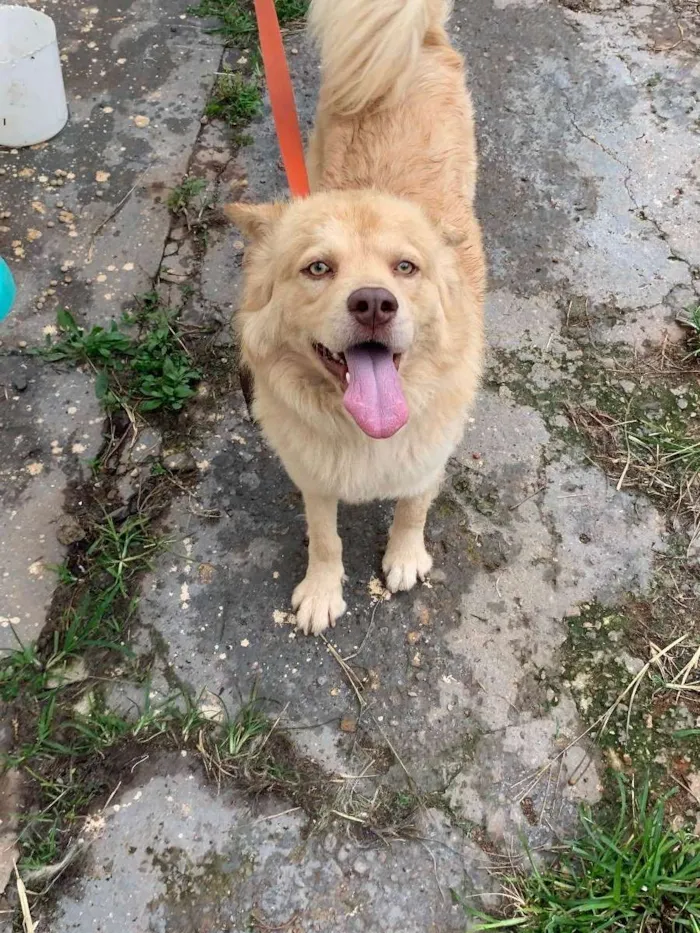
{"x": 450, "y": 235}
{"x": 254, "y": 220}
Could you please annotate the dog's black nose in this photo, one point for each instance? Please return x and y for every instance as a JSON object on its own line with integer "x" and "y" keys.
{"x": 372, "y": 307}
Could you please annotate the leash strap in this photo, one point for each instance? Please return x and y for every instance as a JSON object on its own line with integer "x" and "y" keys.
{"x": 279, "y": 85}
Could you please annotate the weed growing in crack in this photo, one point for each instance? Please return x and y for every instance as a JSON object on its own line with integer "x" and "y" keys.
{"x": 193, "y": 200}
{"x": 185, "y": 195}
{"x": 145, "y": 371}
{"x": 635, "y": 876}
{"x": 235, "y": 99}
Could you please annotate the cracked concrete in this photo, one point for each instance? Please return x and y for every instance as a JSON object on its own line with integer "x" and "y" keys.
{"x": 589, "y": 192}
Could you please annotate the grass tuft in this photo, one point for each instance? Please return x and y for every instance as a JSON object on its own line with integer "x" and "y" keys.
{"x": 692, "y": 322}
{"x": 235, "y": 99}
{"x": 637, "y": 876}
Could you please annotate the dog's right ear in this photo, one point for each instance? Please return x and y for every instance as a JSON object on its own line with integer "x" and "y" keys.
{"x": 254, "y": 220}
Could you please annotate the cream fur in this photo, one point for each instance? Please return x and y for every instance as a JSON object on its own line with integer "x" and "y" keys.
{"x": 391, "y": 181}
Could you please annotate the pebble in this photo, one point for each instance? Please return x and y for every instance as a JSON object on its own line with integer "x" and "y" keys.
{"x": 20, "y": 383}
{"x": 70, "y": 531}
{"x": 180, "y": 462}
{"x": 682, "y": 403}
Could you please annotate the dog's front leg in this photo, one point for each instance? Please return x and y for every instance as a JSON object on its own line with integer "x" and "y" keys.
{"x": 318, "y": 599}
{"x": 406, "y": 559}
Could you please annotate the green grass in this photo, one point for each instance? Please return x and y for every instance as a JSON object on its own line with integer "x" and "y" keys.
{"x": 667, "y": 446}
{"x": 61, "y": 764}
{"x": 122, "y": 551}
{"x": 235, "y": 99}
{"x": 147, "y": 370}
{"x": 237, "y": 19}
{"x": 96, "y": 618}
{"x": 290, "y": 11}
{"x": 693, "y": 323}
{"x": 636, "y": 876}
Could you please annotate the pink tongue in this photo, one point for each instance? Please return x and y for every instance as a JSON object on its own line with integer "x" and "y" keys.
{"x": 374, "y": 396}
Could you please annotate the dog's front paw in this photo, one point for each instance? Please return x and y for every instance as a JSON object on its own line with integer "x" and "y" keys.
{"x": 406, "y": 561}
{"x": 318, "y": 601}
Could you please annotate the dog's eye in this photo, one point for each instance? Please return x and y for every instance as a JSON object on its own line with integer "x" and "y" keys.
{"x": 405, "y": 267}
{"x": 318, "y": 269}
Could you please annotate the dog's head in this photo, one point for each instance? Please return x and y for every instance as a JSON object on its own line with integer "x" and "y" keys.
{"x": 349, "y": 289}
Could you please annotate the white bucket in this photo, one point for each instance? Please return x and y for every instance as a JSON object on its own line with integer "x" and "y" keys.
{"x": 32, "y": 96}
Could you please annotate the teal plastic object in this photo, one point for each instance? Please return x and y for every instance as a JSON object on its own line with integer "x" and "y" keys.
{"x": 7, "y": 290}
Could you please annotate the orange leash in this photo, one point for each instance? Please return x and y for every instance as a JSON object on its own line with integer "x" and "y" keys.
{"x": 279, "y": 85}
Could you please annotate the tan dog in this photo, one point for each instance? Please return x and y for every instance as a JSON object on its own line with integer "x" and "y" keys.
{"x": 362, "y": 312}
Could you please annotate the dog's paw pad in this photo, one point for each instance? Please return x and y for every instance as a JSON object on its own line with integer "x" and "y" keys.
{"x": 318, "y": 601}
{"x": 404, "y": 565}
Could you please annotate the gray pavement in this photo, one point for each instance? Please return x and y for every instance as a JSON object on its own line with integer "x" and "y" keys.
{"x": 589, "y": 124}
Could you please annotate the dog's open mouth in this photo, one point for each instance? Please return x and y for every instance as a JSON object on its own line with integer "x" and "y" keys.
{"x": 373, "y": 394}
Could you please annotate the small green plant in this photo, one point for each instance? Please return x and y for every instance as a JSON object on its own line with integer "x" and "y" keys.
{"x": 638, "y": 876}
{"x": 21, "y": 671}
{"x": 98, "y": 345}
{"x": 235, "y": 99}
{"x": 147, "y": 371}
{"x": 183, "y": 195}
{"x": 191, "y": 199}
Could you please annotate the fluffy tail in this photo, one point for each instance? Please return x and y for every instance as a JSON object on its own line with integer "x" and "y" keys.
{"x": 369, "y": 48}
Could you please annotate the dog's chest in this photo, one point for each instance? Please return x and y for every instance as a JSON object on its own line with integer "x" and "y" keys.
{"x": 404, "y": 465}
